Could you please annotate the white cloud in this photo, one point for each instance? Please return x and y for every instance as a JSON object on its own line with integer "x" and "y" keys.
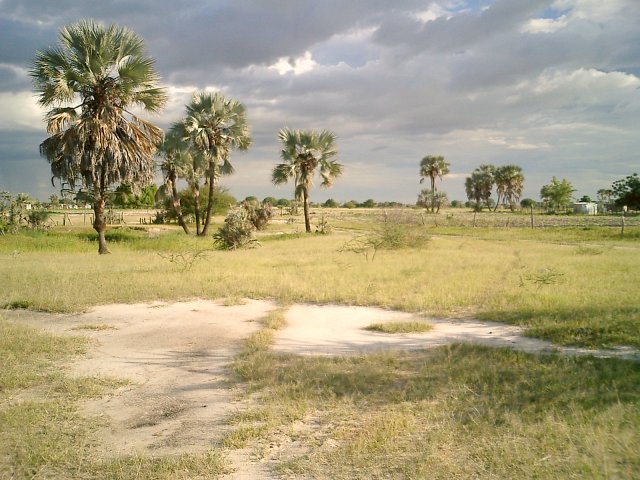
{"x": 587, "y": 85}
{"x": 432, "y": 13}
{"x": 517, "y": 143}
{"x": 297, "y": 66}
{"x": 25, "y": 114}
{"x": 545, "y": 25}
{"x": 594, "y": 10}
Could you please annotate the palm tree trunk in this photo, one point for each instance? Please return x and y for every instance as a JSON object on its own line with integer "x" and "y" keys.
{"x": 305, "y": 199}
{"x": 195, "y": 190}
{"x": 433, "y": 193}
{"x": 497, "y": 203}
{"x": 99, "y": 224}
{"x": 207, "y": 219}
{"x": 175, "y": 200}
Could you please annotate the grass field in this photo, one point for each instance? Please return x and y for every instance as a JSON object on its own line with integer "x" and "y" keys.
{"x": 452, "y": 412}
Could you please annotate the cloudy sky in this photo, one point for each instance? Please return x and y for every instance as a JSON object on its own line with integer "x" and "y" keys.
{"x": 550, "y": 85}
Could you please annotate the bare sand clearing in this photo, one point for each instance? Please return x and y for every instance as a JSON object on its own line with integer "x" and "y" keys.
{"x": 339, "y": 330}
{"x": 176, "y": 357}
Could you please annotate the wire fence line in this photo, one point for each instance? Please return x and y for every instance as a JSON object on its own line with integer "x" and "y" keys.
{"x": 522, "y": 220}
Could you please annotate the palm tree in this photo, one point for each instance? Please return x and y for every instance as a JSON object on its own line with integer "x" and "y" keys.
{"x": 177, "y": 162}
{"x": 91, "y": 80}
{"x": 214, "y": 125}
{"x": 479, "y": 185}
{"x": 433, "y": 167}
{"x": 509, "y": 184}
{"x": 303, "y": 151}
{"x": 604, "y": 195}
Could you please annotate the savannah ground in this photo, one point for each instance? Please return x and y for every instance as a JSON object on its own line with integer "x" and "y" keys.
{"x": 451, "y": 411}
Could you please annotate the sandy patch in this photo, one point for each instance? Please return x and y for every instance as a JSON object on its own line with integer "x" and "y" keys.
{"x": 339, "y": 330}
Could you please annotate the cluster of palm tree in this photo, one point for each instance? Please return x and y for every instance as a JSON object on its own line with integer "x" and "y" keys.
{"x": 197, "y": 148}
{"x": 93, "y": 79}
{"x": 507, "y": 179}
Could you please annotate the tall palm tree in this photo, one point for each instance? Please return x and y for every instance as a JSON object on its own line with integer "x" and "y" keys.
{"x": 214, "y": 126}
{"x": 304, "y": 151}
{"x": 509, "y": 184}
{"x": 90, "y": 81}
{"x": 433, "y": 167}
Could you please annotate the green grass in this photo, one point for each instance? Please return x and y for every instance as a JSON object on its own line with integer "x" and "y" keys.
{"x": 575, "y": 292}
{"x": 96, "y": 327}
{"x": 44, "y": 435}
{"x": 400, "y": 327}
{"x": 27, "y": 357}
{"x": 233, "y": 300}
{"x": 452, "y": 412}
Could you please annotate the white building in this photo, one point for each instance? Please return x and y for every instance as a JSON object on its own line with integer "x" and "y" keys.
{"x": 585, "y": 208}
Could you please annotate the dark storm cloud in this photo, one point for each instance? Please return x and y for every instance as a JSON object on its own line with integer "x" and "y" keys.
{"x": 13, "y": 79}
{"x": 19, "y": 40}
{"x": 187, "y": 35}
{"x": 460, "y": 31}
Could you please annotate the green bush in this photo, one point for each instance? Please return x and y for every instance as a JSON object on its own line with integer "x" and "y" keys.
{"x": 237, "y": 231}
{"x": 222, "y": 202}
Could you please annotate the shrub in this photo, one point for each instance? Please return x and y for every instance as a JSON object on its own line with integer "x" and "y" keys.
{"x": 393, "y": 234}
{"x": 237, "y": 231}
{"x": 258, "y": 214}
{"x": 222, "y": 201}
{"x": 37, "y": 218}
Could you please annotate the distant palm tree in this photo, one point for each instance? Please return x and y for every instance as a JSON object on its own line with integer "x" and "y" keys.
{"x": 509, "y": 184}
{"x": 304, "y": 151}
{"x": 433, "y": 167}
{"x": 92, "y": 79}
{"x": 214, "y": 126}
